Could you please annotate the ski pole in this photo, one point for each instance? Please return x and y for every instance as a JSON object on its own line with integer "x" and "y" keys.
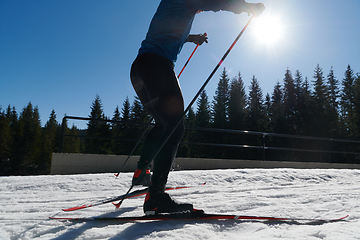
{"x": 190, "y": 104}
{"x": 143, "y": 134}
{"x": 197, "y": 45}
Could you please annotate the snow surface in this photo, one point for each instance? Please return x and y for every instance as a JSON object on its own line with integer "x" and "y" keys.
{"x": 27, "y": 202}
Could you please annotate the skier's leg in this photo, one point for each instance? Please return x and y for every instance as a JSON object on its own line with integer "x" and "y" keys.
{"x": 156, "y": 84}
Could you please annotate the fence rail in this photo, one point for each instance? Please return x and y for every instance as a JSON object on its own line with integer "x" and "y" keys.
{"x": 264, "y": 147}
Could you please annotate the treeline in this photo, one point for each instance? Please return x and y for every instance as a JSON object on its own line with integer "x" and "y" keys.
{"x": 25, "y": 146}
{"x": 323, "y": 107}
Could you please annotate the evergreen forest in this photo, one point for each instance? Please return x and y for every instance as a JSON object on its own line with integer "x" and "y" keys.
{"x": 322, "y": 106}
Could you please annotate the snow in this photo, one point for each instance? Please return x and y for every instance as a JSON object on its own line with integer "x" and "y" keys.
{"x": 27, "y": 202}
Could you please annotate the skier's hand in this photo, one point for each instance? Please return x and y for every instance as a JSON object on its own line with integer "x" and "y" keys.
{"x": 255, "y": 9}
{"x": 198, "y": 39}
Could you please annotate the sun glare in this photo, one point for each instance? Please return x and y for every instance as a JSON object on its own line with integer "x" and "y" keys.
{"x": 268, "y": 30}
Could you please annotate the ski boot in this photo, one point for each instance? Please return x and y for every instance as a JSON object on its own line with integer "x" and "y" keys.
{"x": 161, "y": 202}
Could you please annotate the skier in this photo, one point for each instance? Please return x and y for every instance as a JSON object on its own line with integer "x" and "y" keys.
{"x": 155, "y": 82}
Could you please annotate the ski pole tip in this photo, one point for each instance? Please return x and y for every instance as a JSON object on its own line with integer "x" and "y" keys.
{"x": 117, "y": 205}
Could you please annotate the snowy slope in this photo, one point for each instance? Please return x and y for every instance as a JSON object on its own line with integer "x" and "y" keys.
{"x": 27, "y": 202}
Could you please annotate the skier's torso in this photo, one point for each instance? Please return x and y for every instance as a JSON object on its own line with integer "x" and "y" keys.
{"x": 168, "y": 29}
{"x": 172, "y": 23}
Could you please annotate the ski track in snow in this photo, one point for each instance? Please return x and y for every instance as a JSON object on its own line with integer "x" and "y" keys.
{"x": 26, "y": 203}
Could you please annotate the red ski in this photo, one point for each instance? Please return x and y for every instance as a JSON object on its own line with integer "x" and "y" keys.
{"x": 196, "y": 215}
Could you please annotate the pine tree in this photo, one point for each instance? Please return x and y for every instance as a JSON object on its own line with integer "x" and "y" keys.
{"x": 50, "y": 140}
{"x": 267, "y": 107}
{"x": 304, "y": 114}
{"x": 126, "y": 129}
{"x": 321, "y": 104}
{"x": 307, "y": 109}
{"x": 347, "y": 102}
{"x": 116, "y": 130}
{"x": 256, "y": 117}
{"x": 278, "y": 122}
{"x": 51, "y": 127}
{"x": 97, "y": 129}
{"x": 333, "y": 95}
{"x": 190, "y": 118}
{"x": 237, "y": 113}
{"x": 15, "y": 157}
{"x": 202, "y": 119}
{"x": 237, "y": 103}
{"x": 30, "y": 144}
{"x": 221, "y": 102}
{"x": 277, "y": 115}
{"x": 138, "y": 115}
{"x": 5, "y": 144}
{"x": 300, "y": 109}
{"x": 203, "y": 116}
{"x": 125, "y": 111}
{"x": 220, "y": 107}
{"x": 289, "y": 99}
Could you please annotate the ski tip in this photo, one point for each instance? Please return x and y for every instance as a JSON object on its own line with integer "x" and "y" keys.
{"x": 74, "y": 208}
{"x": 116, "y": 174}
{"x": 198, "y": 210}
{"x": 343, "y": 217}
{"x": 336, "y": 219}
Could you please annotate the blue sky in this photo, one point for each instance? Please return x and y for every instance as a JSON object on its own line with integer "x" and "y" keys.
{"x": 60, "y": 54}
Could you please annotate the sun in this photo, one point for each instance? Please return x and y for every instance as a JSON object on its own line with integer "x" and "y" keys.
{"x": 268, "y": 30}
